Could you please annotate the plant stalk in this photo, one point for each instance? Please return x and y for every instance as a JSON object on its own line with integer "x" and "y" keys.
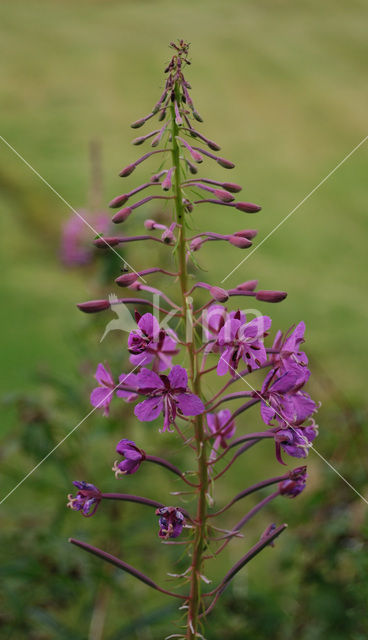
{"x": 199, "y": 542}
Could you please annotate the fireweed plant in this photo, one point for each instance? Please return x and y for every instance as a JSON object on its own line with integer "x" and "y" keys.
{"x": 171, "y": 393}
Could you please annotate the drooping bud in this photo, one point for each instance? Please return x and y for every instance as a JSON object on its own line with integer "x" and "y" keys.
{"x": 240, "y": 242}
{"x": 219, "y": 294}
{"x": 223, "y": 195}
{"x": 247, "y": 207}
{"x": 271, "y": 296}
{"x": 127, "y": 171}
{"x": 249, "y": 285}
{"x": 107, "y": 241}
{"x": 226, "y": 164}
{"x": 246, "y": 233}
{"x": 196, "y": 243}
{"x": 122, "y": 215}
{"x": 192, "y": 168}
{"x": 231, "y": 186}
{"x": 166, "y": 183}
{"x": 126, "y": 279}
{"x": 139, "y": 123}
{"x": 118, "y": 201}
{"x": 93, "y": 306}
{"x": 150, "y": 224}
{"x": 193, "y": 151}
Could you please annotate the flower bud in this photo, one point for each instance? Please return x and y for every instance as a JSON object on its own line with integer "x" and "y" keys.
{"x": 122, "y": 215}
{"x": 139, "y": 123}
{"x": 93, "y": 306}
{"x": 249, "y": 285}
{"x": 127, "y": 171}
{"x": 118, "y": 201}
{"x": 126, "y": 279}
{"x": 225, "y": 196}
{"x": 240, "y": 242}
{"x": 247, "y": 207}
{"x": 246, "y": 233}
{"x": 231, "y": 186}
{"x": 226, "y": 164}
{"x": 105, "y": 241}
{"x": 150, "y": 224}
{"x": 220, "y": 295}
{"x": 271, "y": 296}
{"x": 192, "y": 168}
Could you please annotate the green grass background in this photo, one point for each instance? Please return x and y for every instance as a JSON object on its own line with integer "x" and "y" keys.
{"x": 281, "y": 86}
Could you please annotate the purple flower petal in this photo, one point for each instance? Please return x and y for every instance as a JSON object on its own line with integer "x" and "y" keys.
{"x": 178, "y": 377}
{"x": 101, "y": 398}
{"x": 189, "y": 404}
{"x": 147, "y": 379}
{"x": 104, "y": 377}
{"x": 149, "y": 409}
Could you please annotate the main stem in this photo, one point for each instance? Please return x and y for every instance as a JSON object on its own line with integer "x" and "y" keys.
{"x": 199, "y": 541}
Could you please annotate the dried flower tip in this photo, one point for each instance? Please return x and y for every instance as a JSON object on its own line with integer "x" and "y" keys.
{"x": 93, "y": 306}
{"x": 156, "y": 177}
{"x": 240, "y": 242}
{"x": 126, "y": 279}
{"x": 271, "y": 296}
{"x": 219, "y": 294}
{"x": 197, "y": 116}
{"x": 187, "y": 205}
{"x": 122, "y": 215}
{"x": 192, "y": 168}
{"x": 118, "y": 201}
{"x": 247, "y": 207}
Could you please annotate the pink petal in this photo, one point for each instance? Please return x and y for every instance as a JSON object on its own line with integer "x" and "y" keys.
{"x": 104, "y": 377}
{"x": 147, "y": 379}
{"x": 101, "y": 398}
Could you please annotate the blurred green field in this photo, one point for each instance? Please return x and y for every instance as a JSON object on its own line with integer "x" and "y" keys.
{"x": 282, "y": 87}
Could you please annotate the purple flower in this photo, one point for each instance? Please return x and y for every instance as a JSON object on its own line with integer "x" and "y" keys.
{"x": 87, "y": 499}
{"x": 171, "y": 522}
{"x": 166, "y": 394}
{"x": 216, "y": 422}
{"x": 295, "y": 483}
{"x": 213, "y": 319}
{"x": 133, "y": 458}
{"x": 295, "y": 441}
{"x": 239, "y": 339}
{"x": 101, "y": 396}
{"x": 148, "y": 342}
{"x": 289, "y": 348}
{"x": 282, "y": 399}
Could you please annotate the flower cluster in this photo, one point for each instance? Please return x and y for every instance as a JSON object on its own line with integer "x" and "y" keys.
{"x": 234, "y": 344}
